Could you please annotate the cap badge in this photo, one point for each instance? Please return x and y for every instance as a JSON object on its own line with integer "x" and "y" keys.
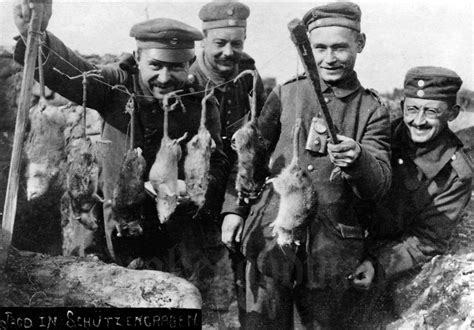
{"x": 232, "y": 22}
{"x": 420, "y": 93}
{"x": 421, "y": 83}
{"x": 174, "y": 41}
{"x": 230, "y": 12}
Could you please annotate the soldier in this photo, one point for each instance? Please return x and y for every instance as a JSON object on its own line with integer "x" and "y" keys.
{"x": 312, "y": 275}
{"x": 432, "y": 179}
{"x": 220, "y": 61}
{"x": 165, "y": 48}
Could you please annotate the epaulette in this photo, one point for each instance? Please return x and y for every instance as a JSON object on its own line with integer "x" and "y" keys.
{"x": 462, "y": 164}
{"x": 246, "y": 62}
{"x": 375, "y": 95}
{"x": 295, "y": 78}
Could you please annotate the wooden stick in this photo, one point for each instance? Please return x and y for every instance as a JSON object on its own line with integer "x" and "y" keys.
{"x": 11, "y": 196}
{"x": 300, "y": 39}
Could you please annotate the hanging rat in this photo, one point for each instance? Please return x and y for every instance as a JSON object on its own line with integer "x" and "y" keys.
{"x": 251, "y": 152}
{"x": 129, "y": 192}
{"x": 164, "y": 171}
{"x": 198, "y": 159}
{"x": 297, "y": 198}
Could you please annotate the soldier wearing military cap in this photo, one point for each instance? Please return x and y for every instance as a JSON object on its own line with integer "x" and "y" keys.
{"x": 165, "y": 48}
{"x": 432, "y": 179}
{"x": 312, "y": 276}
{"x": 221, "y": 59}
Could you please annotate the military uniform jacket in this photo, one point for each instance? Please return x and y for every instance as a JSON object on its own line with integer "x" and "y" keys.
{"x": 431, "y": 187}
{"x": 336, "y": 231}
{"x": 110, "y": 103}
{"x": 234, "y": 107}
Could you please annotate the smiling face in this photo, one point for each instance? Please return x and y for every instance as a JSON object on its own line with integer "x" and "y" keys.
{"x": 159, "y": 78}
{"x": 425, "y": 118}
{"x": 223, "y": 49}
{"x": 335, "y": 50}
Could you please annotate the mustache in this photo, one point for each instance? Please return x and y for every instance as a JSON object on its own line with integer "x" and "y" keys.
{"x": 424, "y": 126}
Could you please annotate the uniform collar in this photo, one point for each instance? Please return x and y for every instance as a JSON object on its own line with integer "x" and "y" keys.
{"x": 345, "y": 88}
{"x": 430, "y": 157}
{"x": 211, "y": 74}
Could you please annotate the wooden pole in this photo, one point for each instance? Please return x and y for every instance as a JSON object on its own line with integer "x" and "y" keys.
{"x": 300, "y": 39}
{"x": 31, "y": 54}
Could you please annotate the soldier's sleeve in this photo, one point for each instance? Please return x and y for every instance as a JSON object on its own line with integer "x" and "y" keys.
{"x": 220, "y": 166}
{"x": 269, "y": 119}
{"x": 261, "y": 95}
{"x": 61, "y": 58}
{"x": 370, "y": 176}
{"x": 429, "y": 233}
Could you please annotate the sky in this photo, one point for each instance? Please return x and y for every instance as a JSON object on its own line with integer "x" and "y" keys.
{"x": 400, "y": 33}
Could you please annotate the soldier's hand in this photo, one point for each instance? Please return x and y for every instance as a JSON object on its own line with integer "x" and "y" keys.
{"x": 345, "y": 153}
{"x": 22, "y": 11}
{"x": 232, "y": 227}
{"x": 363, "y": 275}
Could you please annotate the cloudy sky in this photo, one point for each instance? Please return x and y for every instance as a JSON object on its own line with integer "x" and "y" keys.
{"x": 400, "y": 33}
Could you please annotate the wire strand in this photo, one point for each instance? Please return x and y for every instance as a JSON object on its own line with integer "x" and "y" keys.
{"x": 119, "y": 87}
{"x": 126, "y": 91}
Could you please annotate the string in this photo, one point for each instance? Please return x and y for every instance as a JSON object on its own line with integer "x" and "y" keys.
{"x": 119, "y": 87}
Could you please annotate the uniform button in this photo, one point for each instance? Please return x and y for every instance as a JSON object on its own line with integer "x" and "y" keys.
{"x": 310, "y": 167}
{"x": 228, "y": 112}
{"x": 227, "y": 123}
{"x": 454, "y": 157}
{"x": 224, "y": 138}
{"x": 229, "y": 101}
{"x": 326, "y": 100}
{"x": 400, "y": 161}
{"x": 251, "y": 212}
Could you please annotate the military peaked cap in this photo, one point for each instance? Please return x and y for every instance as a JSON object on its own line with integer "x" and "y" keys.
{"x": 219, "y": 14}
{"x": 433, "y": 83}
{"x": 173, "y": 38}
{"x": 345, "y": 14}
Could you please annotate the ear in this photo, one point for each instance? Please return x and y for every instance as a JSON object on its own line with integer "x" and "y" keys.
{"x": 361, "y": 39}
{"x": 454, "y": 112}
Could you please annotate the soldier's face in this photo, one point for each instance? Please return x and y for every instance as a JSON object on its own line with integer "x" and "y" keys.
{"x": 335, "y": 50}
{"x": 159, "y": 78}
{"x": 425, "y": 119}
{"x": 223, "y": 49}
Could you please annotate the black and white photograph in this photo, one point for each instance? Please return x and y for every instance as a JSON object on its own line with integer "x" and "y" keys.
{"x": 236, "y": 164}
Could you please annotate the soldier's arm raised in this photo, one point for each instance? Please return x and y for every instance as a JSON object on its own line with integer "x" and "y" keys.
{"x": 22, "y": 14}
